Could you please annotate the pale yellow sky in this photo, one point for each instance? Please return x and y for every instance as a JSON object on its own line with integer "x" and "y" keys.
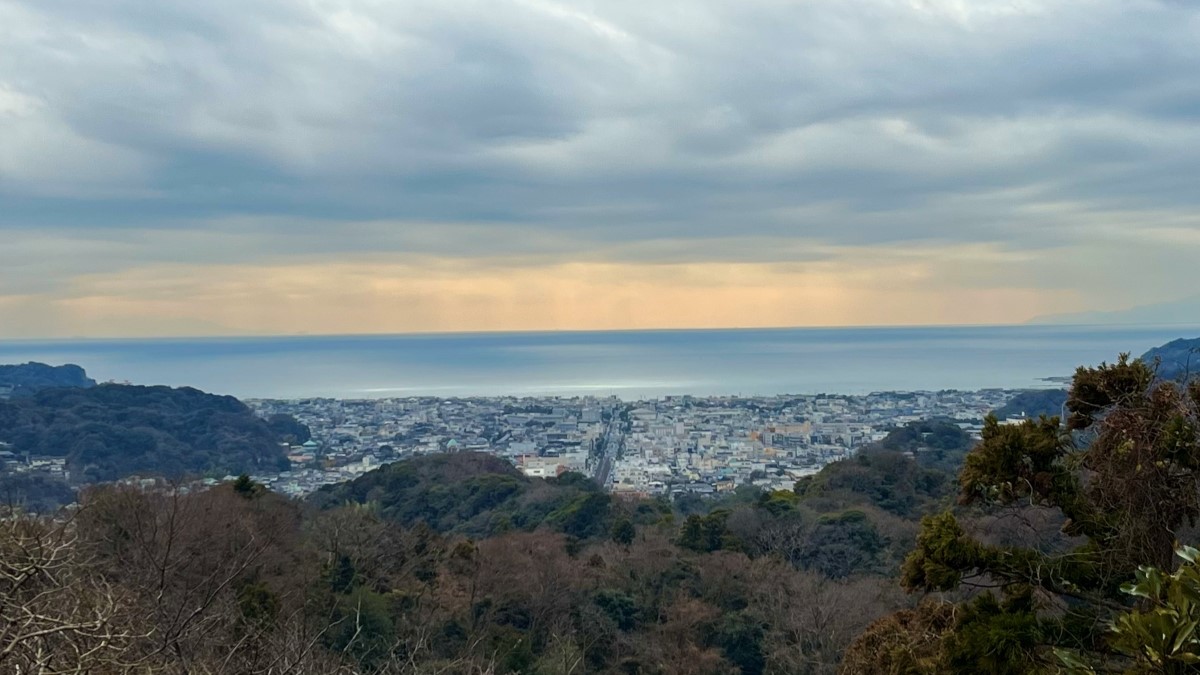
{"x": 372, "y": 295}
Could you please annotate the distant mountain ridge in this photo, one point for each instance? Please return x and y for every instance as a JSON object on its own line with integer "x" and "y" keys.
{"x": 1177, "y": 359}
{"x": 28, "y": 378}
{"x": 1184, "y": 311}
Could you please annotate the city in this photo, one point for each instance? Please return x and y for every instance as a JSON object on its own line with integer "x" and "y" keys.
{"x": 667, "y": 446}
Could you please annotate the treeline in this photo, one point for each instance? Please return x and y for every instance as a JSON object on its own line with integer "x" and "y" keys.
{"x": 239, "y": 580}
{"x": 112, "y": 431}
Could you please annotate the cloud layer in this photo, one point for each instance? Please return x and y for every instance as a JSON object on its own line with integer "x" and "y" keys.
{"x": 358, "y": 165}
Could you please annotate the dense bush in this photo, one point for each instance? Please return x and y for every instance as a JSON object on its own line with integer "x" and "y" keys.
{"x": 475, "y": 494}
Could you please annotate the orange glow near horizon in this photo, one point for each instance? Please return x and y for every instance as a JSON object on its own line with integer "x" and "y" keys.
{"x": 445, "y": 295}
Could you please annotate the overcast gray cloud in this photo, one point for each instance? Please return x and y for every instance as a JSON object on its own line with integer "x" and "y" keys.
{"x": 1061, "y": 135}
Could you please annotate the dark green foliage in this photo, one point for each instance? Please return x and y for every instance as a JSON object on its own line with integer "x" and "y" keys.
{"x": 889, "y": 480}
{"x": 942, "y": 555}
{"x": 853, "y": 518}
{"x": 994, "y": 637}
{"x": 707, "y": 533}
{"x": 584, "y": 517}
{"x": 475, "y": 494}
{"x": 288, "y": 429}
{"x": 1095, "y": 390}
{"x": 574, "y": 479}
{"x": 341, "y": 575}
{"x": 1029, "y": 456}
{"x": 690, "y": 504}
{"x": 30, "y": 378}
{"x": 652, "y": 512}
{"x": 779, "y": 502}
{"x": 1124, "y": 495}
{"x": 362, "y": 627}
{"x": 1033, "y": 403}
{"x": 843, "y": 544}
{"x": 619, "y": 607}
{"x": 112, "y": 431}
{"x": 740, "y": 636}
{"x": 248, "y": 489}
{"x": 1163, "y": 635}
{"x": 926, "y": 435}
{"x": 938, "y": 444}
{"x": 623, "y": 531}
{"x": 515, "y": 651}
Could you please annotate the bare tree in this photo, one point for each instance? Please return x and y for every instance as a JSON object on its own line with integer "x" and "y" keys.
{"x": 57, "y": 616}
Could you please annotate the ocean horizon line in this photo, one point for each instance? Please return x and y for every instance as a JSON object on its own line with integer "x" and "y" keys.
{"x": 599, "y": 331}
{"x": 630, "y": 363}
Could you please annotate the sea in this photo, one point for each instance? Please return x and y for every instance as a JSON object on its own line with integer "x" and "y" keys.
{"x": 628, "y": 364}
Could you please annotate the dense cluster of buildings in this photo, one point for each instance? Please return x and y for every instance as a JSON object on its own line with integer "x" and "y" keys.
{"x": 543, "y": 436}
{"x": 673, "y": 445}
{"x": 697, "y": 445}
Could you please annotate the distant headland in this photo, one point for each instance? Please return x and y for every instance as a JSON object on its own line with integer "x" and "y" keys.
{"x": 27, "y": 378}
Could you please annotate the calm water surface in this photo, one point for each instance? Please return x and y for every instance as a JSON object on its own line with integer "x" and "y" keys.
{"x": 629, "y": 364}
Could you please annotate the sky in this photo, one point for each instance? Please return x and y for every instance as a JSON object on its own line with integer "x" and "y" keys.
{"x": 371, "y": 166}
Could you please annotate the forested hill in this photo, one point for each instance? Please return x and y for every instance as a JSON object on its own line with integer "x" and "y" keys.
{"x": 1033, "y": 403}
{"x": 28, "y": 378}
{"x": 475, "y": 494}
{"x": 112, "y": 431}
{"x": 1176, "y": 359}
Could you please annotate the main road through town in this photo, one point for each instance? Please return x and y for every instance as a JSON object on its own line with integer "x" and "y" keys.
{"x": 610, "y": 446}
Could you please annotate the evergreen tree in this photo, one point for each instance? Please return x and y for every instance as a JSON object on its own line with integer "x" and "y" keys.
{"x": 1124, "y": 473}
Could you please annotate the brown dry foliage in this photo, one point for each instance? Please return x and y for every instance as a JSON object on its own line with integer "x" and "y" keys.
{"x": 908, "y": 642}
